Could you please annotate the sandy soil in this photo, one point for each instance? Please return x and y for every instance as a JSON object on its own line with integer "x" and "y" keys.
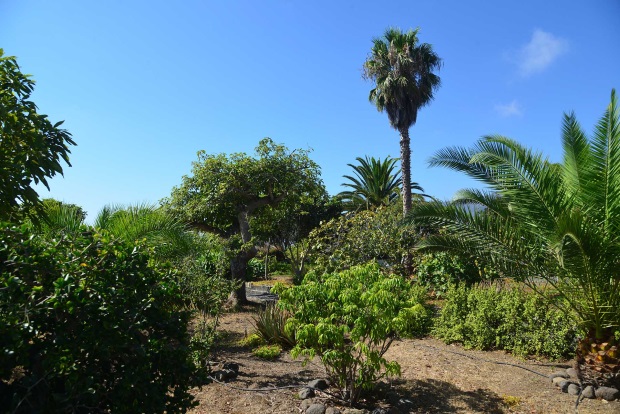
{"x": 434, "y": 380}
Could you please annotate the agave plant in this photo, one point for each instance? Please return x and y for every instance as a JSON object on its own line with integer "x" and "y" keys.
{"x": 540, "y": 221}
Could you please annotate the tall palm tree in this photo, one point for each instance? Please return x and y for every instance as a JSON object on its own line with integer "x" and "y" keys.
{"x": 555, "y": 222}
{"x": 403, "y": 71}
{"x": 376, "y": 183}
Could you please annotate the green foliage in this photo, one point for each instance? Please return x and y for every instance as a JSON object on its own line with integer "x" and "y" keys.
{"x": 226, "y": 194}
{"x": 349, "y": 320}
{"x": 31, "y": 147}
{"x": 270, "y": 325}
{"x": 375, "y": 184}
{"x": 89, "y": 324}
{"x": 440, "y": 270}
{"x": 357, "y": 238}
{"x": 252, "y": 341}
{"x": 510, "y": 319}
{"x": 167, "y": 234}
{"x": 268, "y": 352}
{"x": 556, "y": 222}
{"x": 204, "y": 285}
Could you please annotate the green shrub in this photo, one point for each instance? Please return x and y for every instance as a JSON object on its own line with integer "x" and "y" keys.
{"x": 349, "y": 319}
{"x": 204, "y": 287}
{"x": 270, "y": 325}
{"x": 357, "y": 238}
{"x": 252, "y": 341}
{"x": 89, "y": 324}
{"x": 440, "y": 270}
{"x": 268, "y": 352}
{"x": 510, "y": 319}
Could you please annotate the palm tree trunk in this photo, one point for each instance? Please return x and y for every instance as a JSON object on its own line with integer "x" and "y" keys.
{"x": 405, "y": 166}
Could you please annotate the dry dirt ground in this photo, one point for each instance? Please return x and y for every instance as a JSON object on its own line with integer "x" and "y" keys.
{"x": 434, "y": 380}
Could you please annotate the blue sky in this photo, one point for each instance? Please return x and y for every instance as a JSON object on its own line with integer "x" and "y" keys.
{"x": 144, "y": 85}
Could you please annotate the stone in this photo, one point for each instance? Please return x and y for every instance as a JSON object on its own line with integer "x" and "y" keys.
{"x": 564, "y": 385}
{"x": 306, "y": 393}
{"x": 233, "y": 366}
{"x": 354, "y": 411}
{"x": 573, "y": 389}
{"x": 230, "y": 374}
{"x": 588, "y": 392}
{"x": 379, "y": 411}
{"x": 319, "y": 384}
{"x": 332, "y": 410}
{"x": 572, "y": 373}
{"x": 607, "y": 393}
{"x": 220, "y": 375}
{"x": 559, "y": 374}
{"x": 316, "y": 409}
{"x": 557, "y": 380}
{"x": 305, "y": 404}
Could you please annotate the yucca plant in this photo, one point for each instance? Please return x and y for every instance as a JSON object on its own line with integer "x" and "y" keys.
{"x": 540, "y": 221}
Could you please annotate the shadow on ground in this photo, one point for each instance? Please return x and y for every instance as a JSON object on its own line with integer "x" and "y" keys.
{"x": 434, "y": 396}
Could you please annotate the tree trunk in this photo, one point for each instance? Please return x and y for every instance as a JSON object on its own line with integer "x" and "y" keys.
{"x": 238, "y": 268}
{"x": 405, "y": 166}
{"x": 239, "y": 263}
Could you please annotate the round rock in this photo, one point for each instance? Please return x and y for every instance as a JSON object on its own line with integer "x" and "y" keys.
{"x": 559, "y": 374}
{"x": 332, "y": 410}
{"x": 557, "y": 380}
{"x": 572, "y": 373}
{"x": 607, "y": 393}
{"x": 573, "y": 389}
{"x": 588, "y": 392}
{"x": 316, "y": 409}
{"x": 306, "y": 393}
{"x": 564, "y": 385}
{"x": 319, "y": 384}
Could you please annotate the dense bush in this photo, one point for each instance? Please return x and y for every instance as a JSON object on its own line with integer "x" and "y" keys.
{"x": 440, "y": 270}
{"x": 89, "y": 324}
{"x": 357, "y": 238}
{"x": 510, "y": 319}
{"x": 203, "y": 280}
{"x": 350, "y": 319}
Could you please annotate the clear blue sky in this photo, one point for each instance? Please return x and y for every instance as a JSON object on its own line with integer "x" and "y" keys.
{"x": 144, "y": 85}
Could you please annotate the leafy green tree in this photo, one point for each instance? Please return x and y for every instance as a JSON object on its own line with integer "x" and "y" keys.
{"x": 555, "y": 222}
{"x": 31, "y": 147}
{"x": 288, "y": 224}
{"x": 375, "y": 184}
{"x": 365, "y": 236}
{"x": 224, "y": 193}
{"x": 403, "y": 71}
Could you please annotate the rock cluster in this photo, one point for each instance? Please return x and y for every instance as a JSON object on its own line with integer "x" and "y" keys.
{"x": 567, "y": 382}
{"x": 311, "y": 405}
